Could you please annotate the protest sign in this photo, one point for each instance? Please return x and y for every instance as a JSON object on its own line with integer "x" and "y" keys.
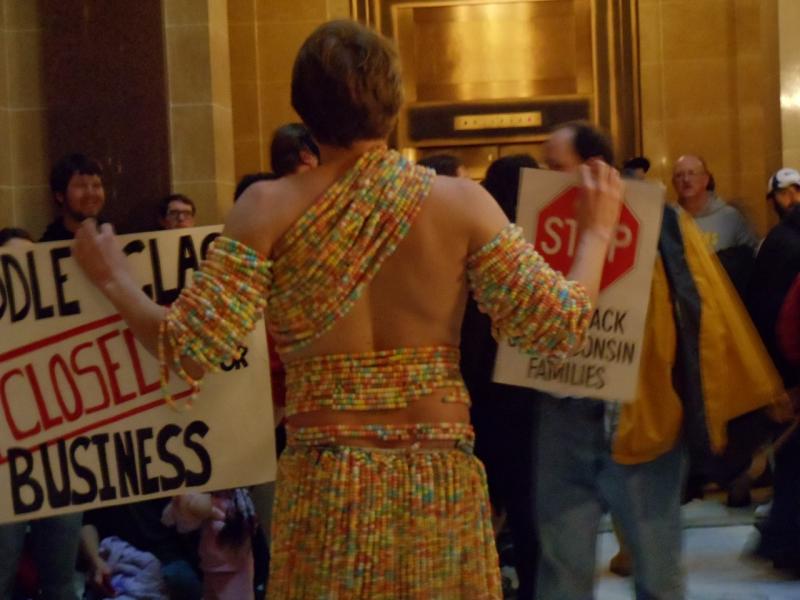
{"x": 84, "y": 418}
{"x": 607, "y": 366}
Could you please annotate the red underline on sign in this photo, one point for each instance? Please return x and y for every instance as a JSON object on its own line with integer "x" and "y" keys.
{"x": 65, "y": 335}
{"x": 108, "y": 421}
{"x": 60, "y": 337}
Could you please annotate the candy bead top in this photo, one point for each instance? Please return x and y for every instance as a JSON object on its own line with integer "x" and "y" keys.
{"x": 320, "y": 268}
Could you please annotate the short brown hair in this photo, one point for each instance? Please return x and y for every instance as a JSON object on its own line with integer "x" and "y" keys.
{"x": 346, "y": 84}
{"x": 589, "y": 141}
{"x": 163, "y": 204}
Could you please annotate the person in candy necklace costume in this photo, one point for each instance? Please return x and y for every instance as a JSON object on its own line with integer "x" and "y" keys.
{"x": 362, "y": 268}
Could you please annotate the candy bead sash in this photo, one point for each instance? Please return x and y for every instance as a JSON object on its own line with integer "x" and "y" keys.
{"x": 324, "y": 262}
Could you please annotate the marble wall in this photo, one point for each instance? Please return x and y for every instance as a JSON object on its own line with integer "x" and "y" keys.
{"x": 718, "y": 77}
{"x": 265, "y": 36}
{"x": 709, "y": 86}
{"x": 789, "y": 23}
{"x": 201, "y": 112}
{"x": 24, "y": 192}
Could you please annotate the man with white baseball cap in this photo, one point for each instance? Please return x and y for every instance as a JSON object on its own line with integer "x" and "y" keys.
{"x": 777, "y": 266}
{"x": 783, "y": 190}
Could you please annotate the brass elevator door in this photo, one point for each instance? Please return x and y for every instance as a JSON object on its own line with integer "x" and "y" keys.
{"x": 495, "y": 50}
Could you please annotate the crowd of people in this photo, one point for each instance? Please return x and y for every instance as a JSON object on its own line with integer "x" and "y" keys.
{"x": 379, "y": 494}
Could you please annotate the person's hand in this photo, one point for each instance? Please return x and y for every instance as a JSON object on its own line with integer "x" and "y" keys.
{"x": 217, "y": 514}
{"x": 100, "y": 578}
{"x": 197, "y": 504}
{"x": 600, "y": 205}
{"x": 98, "y": 254}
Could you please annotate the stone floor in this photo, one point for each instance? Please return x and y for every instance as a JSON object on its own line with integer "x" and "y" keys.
{"x": 717, "y": 568}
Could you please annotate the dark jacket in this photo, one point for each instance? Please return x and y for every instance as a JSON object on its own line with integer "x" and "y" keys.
{"x": 777, "y": 265}
{"x": 57, "y": 232}
{"x": 738, "y": 262}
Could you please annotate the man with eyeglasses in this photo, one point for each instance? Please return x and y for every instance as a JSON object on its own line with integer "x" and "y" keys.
{"x": 176, "y": 211}
{"x": 723, "y": 225}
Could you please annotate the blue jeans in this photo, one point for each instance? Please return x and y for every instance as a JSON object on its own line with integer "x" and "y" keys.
{"x": 182, "y": 581}
{"x": 578, "y": 481}
{"x": 54, "y": 543}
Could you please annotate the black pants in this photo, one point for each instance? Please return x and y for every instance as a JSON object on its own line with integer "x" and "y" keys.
{"x": 505, "y": 441}
{"x": 780, "y": 534}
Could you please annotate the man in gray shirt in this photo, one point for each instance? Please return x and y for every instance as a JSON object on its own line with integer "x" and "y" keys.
{"x": 723, "y": 225}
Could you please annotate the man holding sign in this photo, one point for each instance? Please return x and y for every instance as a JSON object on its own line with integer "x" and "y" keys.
{"x": 595, "y": 456}
{"x": 77, "y": 187}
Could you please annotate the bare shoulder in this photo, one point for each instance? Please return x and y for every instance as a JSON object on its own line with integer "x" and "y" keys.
{"x": 468, "y": 207}
{"x": 261, "y": 215}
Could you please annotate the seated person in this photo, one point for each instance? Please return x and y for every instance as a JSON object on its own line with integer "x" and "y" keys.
{"x": 140, "y": 525}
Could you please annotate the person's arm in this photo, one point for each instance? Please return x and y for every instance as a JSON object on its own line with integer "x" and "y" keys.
{"x": 531, "y": 305}
{"x": 99, "y": 255}
{"x": 598, "y": 212}
{"x": 239, "y": 257}
{"x": 99, "y": 575}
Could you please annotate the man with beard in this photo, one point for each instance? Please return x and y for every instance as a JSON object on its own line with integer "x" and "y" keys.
{"x": 77, "y": 186}
{"x": 777, "y": 267}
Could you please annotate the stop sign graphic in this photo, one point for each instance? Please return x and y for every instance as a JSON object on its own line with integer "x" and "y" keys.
{"x": 557, "y": 237}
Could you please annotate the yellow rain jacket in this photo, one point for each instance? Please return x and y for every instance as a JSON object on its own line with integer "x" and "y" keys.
{"x": 703, "y": 362}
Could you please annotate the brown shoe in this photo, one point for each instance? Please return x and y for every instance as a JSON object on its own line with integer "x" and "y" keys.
{"x": 621, "y": 564}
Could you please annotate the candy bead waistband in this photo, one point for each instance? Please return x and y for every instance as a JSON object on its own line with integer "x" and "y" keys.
{"x": 339, "y": 434}
{"x": 380, "y": 380}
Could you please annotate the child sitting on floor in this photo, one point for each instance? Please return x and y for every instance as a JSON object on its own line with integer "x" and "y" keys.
{"x": 227, "y": 521}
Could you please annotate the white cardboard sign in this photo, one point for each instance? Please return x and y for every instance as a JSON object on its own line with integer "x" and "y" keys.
{"x": 84, "y": 420}
{"x": 607, "y": 367}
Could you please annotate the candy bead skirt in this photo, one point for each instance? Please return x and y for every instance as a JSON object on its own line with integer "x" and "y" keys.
{"x": 362, "y": 523}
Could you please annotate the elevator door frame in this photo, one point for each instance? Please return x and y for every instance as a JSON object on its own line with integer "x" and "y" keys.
{"x": 617, "y": 93}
